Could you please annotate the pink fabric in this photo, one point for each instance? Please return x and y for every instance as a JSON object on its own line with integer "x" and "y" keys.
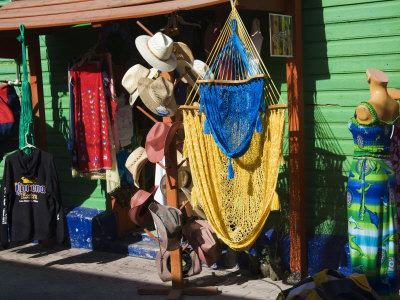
{"x": 91, "y": 124}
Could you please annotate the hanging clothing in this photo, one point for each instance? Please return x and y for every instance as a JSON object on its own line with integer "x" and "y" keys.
{"x": 31, "y": 200}
{"x": 90, "y": 117}
{"x": 10, "y": 111}
{"x": 371, "y": 206}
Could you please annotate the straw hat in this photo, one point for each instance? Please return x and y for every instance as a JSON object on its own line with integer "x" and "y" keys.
{"x": 135, "y": 162}
{"x": 159, "y": 138}
{"x": 168, "y": 221}
{"x": 184, "y": 182}
{"x": 139, "y": 213}
{"x": 131, "y": 79}
{"x": 183, "y": 52}
{"x": 196, "y": 69}
{"x": 157, "y": 51}
{"x": 158, "y": 96}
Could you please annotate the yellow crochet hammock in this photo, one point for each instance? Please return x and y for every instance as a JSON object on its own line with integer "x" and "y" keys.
{"x": 236, "y": 208}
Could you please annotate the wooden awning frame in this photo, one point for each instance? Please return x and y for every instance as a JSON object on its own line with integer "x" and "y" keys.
{"x": 54, "y": 13}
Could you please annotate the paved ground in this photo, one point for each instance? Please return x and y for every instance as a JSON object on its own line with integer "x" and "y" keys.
{"x": 31, "y": 271}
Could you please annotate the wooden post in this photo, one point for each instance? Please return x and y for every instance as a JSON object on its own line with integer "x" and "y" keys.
{"x": 172, "y": 198}
{"x": 36, "y": 81}
{"x": 294, "y": 76}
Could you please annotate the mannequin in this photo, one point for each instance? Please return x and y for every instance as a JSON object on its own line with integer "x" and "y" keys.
{"x": 371, "y": 205}
{"x": 394, "y": 93}
{"x": 385, "y": 107}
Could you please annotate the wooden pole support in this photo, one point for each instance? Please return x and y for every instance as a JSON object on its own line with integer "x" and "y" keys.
{"x": 294, "y": 77}
{"x": 36, "y": 82}
{"x": 144, "y": 28}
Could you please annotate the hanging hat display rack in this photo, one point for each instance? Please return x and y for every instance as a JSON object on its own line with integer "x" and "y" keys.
{"x": 171, "y": 167}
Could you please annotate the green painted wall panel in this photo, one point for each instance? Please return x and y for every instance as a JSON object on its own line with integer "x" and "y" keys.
{"x": 328, "y": 3}
{"x": 341, "y": 41}
{"x": 351, "y": 13}
{"x": 352, "y": 30}
{"x": 347, "y": 82}
{"x": 352, "y": 65}
{"x": 370, "y": 46}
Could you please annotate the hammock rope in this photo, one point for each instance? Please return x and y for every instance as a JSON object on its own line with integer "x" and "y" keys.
{"x": 236, "y": 208}
{"x": 26, "y": 120}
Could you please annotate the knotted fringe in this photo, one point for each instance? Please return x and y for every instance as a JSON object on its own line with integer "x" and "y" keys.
{"x": 231, "y": 174}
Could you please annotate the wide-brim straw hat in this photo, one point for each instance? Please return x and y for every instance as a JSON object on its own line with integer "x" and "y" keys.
{"x": 195, "y": 70}
{"x": 157, "y": 51}
{"x": 158, "y": 96}
{"x": 131, "y": 79}
{"x": 140, "y": 201}
{"x": 203, "y": 240}
{"x": 159, "y": 138}
{"x": 183, "y": 52}
{"x": 168, "y": 221}
{"x": 191, "y": 267}
{"x": 135, "y": 163}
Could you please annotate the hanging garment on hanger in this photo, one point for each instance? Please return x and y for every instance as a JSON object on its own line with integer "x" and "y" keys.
{"x": 91, "y": 120}
{"x": 10, "y": 111}
{"x": 31, "y": 200}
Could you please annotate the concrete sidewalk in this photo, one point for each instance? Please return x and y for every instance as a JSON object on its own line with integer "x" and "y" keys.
{"x": 30, "y": 271}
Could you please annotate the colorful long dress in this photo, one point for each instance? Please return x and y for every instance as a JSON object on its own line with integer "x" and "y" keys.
{"x": 91, "y": 121}
{"x": 371, "y": 206}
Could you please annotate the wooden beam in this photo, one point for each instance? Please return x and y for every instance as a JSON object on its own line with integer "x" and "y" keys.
{"x": 294, "y": 76}
{"x": 103, "y": 15}
{"x": 36, "y": 81}
{"x": 277, "y": 6}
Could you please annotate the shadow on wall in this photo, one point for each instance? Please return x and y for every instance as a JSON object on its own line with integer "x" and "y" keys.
{"x": 62, "y": 46}
{"x": 326, "y": 185}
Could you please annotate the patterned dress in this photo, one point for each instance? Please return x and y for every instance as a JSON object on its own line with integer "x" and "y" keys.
{"x": 371, "y": 206}
{"x": 91, "y": 122}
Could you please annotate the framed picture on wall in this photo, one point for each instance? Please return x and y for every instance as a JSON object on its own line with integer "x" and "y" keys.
{"x": 281, "y": 35}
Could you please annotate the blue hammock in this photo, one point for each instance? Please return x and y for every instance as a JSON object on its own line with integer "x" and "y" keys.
{"x": 232, "y": 98}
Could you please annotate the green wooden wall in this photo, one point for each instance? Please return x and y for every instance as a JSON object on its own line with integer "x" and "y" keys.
{"x": 341, "y": 40}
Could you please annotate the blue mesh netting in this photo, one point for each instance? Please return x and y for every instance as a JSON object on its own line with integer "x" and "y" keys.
{"x": 232, "y": 108}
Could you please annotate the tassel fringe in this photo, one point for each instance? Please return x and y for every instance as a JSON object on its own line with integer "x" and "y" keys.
{"x": 231, "y": 174}
{"x": 258, "y": 124}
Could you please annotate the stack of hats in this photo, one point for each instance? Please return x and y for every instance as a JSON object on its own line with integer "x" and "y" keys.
{"x": 164, "y": 55}
{"x": 157, "y": 94}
